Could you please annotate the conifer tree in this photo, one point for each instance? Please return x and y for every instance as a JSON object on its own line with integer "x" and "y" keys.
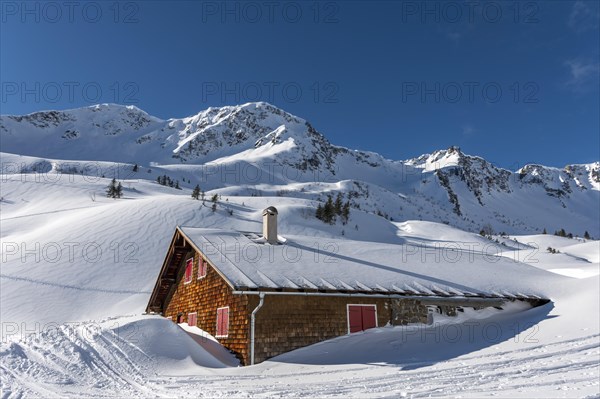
{"x": 196, "y": 192}
{"x": 346, "y": 212}
{"x": 329, "y": 211}
{"x": 338, "y": 204}
{"x": 111, "y": 189}
{"x": 214, "y": 200}
{"x": 319, "y": 212}
{"x": 114, "y": 190}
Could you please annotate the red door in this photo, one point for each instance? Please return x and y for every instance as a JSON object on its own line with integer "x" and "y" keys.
{"x": 355, "y": 318}
{"x": 368, "y": 317}
{"x": 361, "y": 317}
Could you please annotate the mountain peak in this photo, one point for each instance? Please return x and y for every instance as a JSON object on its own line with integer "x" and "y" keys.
{"x": 438, "y": 159}
{"x": 254, "y": 108}
{"x": 454, "y": 149}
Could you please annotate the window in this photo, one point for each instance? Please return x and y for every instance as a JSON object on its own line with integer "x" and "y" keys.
{"x": 222, "y": 322}
{"x": 189, "y": 266}
{"x": 361, "y": 317}
{"x": 192, "y": 319}
{"x": 202, "y": 267}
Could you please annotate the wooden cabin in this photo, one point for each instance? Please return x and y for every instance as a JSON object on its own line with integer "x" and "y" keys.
{"x": 263, "y": 295}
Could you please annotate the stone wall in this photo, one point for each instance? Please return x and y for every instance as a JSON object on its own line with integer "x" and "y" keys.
{"x": 407, "y": 311}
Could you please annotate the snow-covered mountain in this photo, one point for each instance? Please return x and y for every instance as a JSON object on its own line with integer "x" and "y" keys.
{"x": 258, "y": 149}
{"x": 78, "y": 267}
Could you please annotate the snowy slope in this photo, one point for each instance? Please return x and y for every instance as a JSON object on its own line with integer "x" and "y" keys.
{"x": 577, "y": 258}
{"x": 256, "y": 148}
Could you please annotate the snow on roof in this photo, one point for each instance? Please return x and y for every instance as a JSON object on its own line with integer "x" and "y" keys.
{"x": 303, "y": 262}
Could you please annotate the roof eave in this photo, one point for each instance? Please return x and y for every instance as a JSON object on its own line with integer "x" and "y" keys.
{"x": 193, "y": 244}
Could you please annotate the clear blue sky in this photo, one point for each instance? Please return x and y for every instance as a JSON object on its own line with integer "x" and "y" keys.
{"x": 514, "y": 82}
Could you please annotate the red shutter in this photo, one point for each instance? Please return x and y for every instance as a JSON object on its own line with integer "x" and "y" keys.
{"x": 202, "y": 267}
{"x": 225, "y": 326}
{"x": 192, "y": 319}
{"x": 219, "y": 322}
{"x": 222, "y": 322}
{"x": 355, "y": 318}
{"x": 188, "y": 270}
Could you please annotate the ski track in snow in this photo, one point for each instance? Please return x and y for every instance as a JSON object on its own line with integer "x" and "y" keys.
{"x": 73, "y": 287}
{"x": 104, "y": 367}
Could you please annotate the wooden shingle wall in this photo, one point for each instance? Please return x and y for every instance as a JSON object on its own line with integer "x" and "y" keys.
{"x": 285, "y": 323}
{"x": 204, "y": 296}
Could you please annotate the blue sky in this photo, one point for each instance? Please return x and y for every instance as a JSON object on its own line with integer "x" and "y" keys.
{"x": 514, "y": 82}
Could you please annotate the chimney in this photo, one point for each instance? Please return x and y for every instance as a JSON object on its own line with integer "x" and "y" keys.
{"x": 270, "y": 225}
